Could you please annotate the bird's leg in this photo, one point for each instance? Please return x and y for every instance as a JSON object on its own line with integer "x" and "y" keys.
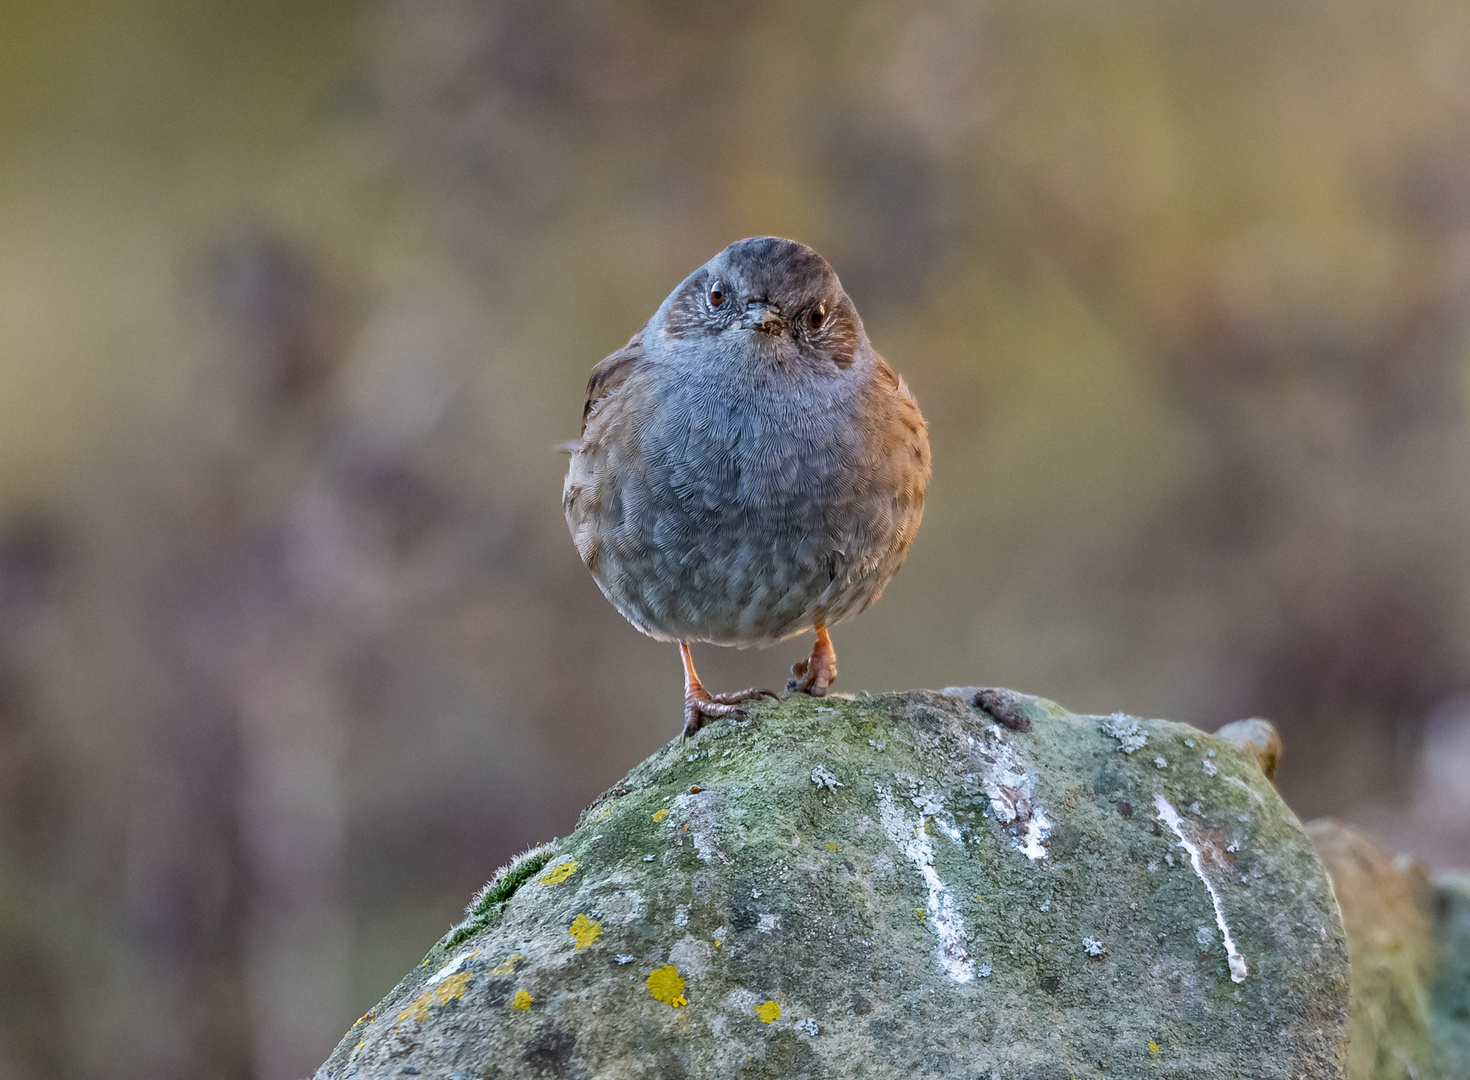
{"x": 819, "y": 670}
{"x": 700, "y": 706}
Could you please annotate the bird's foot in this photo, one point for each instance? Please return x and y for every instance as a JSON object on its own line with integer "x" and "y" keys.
{"x": 818, "y": 671}
{"x": 700, "y": 707}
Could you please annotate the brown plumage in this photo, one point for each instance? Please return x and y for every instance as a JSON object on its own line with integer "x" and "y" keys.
{"x": 749, "y": 466}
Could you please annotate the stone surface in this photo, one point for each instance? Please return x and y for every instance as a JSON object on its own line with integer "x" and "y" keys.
{"x": 897, "y": 886}
{"x": 1391, "y": 952}
{"x": 1449, "y": 985}
{"x": 1258, "y": 737}
{"x": 1409, "y": 945}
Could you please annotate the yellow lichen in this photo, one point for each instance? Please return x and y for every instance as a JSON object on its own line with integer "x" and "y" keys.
{"x": 584, "y": 931}
{"x": 1153, "y": 1047}
{"x": 667, "y": 985}
{"x": 522, "y": 1001}
{"x": 559, "y": 873}
{"x": 500, "y": 971}
{"x": 443, "y": 992}
{"x": 831, "y": 847}
{"x": 768, "y": 1012}
{"x": 659, "y": 815}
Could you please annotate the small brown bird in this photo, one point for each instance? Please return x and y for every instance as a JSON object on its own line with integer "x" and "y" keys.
{"x": 749, "y": 466}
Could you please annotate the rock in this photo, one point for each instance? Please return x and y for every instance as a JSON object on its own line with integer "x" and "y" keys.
{"x": 1390, "y": 949}
{"x": 1409, "y": 945}
{"x": 1449, "y": 989}
{"x": 1258, "y": 737}
{"x": 896, "y": 886}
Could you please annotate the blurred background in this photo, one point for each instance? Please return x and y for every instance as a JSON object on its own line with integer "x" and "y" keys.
{"x": 297, "y": 298}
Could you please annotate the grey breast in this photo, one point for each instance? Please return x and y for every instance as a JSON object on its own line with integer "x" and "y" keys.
{"x": 755, "y": 510}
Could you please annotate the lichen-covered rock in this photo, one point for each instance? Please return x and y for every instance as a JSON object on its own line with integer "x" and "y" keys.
{"x": 1409, "y": 945}
{"x": 1449, "y": 987}
{"x": 1391, "y": 952}
{"x": 897, "y": 886}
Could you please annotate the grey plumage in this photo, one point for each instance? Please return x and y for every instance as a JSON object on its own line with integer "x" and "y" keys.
{"x": 749, "y": 466}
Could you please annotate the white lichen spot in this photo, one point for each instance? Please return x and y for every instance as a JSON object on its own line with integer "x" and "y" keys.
{"x": 740, "y": 1001}
{"x": 822, "y": 778}
{"x": 691, "y": 955}
{"x": 681, "y": 915}
{"x": 1209, "y": 753}
{"x": 864, "y": 824}
{"x": 1170, "y": 817}
{"x": 1232, "y": 846}
{"x": 1195, "y": 809}
{"x": 983, "y": 971}
{"x": 880, "y": 747}
{"x": 624, "y": 958}
{"x": 1046, "y": 905}
{"x": 1189, "y": 743}
{"x": 931, "y": 806}
{"x": 1209, "y": 767}
{"x": 649, "y": 858}
{"x": 768, "y": 924}
{"x": 1169, "y": 859}
{"x": 808, "y": 1027}
{"x": 1093, "y": 947}
{"x": 1205, "y": 936}
{"x": 1126, "y": 729}
{"x": 952, "y": 952}
{"x": 1160, "y": 763}
{"x": 1243, "y": 818}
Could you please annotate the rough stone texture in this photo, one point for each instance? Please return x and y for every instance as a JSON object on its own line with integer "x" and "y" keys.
{"x": 897, "y": 886}
{"x": 1390, "y": 949}
{"x": 1409, "y": 945}
{"x": 1449, "y": 988}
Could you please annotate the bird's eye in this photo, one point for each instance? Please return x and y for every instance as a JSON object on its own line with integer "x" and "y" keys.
{"x": 717, "y": 294}
{"x": 817, "y": 315}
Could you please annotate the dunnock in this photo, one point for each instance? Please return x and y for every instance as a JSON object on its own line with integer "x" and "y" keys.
{"x": 749, "y": 466}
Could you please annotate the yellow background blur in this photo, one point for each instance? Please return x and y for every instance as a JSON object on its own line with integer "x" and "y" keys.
{"x": 297, "y": 298}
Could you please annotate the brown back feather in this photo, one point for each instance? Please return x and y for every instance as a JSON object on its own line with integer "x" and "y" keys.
{"x": 611, "y": 372}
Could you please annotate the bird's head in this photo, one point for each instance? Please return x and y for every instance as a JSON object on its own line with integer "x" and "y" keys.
{"x": 776, "y": 296}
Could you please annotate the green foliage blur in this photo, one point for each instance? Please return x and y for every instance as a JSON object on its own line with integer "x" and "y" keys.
{"x": 296, "y": 300}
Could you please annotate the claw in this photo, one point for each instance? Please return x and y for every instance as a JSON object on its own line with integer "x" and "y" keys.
{"x": 700, "y": 706}
{"x": 818, "y": 671}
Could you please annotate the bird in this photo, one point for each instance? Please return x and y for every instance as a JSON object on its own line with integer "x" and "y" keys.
{"x": 749, "y": 467}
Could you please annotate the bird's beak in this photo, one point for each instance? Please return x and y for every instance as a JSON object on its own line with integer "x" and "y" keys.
{"x": 765, "y": 317}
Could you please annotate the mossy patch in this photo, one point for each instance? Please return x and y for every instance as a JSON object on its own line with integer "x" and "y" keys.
{"x": 489, "y": 901}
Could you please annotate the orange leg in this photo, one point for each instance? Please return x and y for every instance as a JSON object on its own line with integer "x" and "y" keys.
{"x": 818, "y": 671}
{"x": 700, "y": 706}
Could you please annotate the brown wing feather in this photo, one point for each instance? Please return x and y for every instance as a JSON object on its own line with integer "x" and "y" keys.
{"x": 611, "y": 372}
